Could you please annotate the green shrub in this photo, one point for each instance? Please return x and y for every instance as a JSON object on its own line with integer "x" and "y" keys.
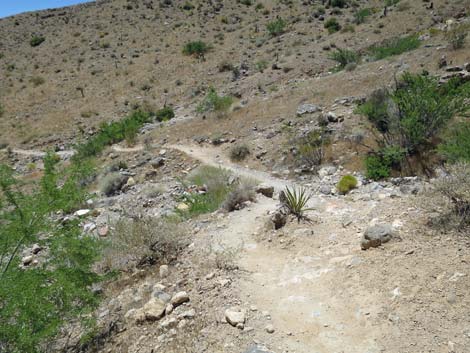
{"x": 276, "y": 27}
{"x": 391, "y": 2}
{"x": 344, "y": 57}
{"x": 346, "y": 184}
{"x": 239, "y": 153}
{"x": 380, "y": 164}
{"x": 246, "y": 2}
{"x": 36, "y": 41}
{"x": 338, "y": 3}
{"x": 165, "y": 114}
{"x": 261, "y": 65}
{"x": 111, "y": 133}
{"x": 361, "y": 15}
{"x": 214, "y": 103}
{"x": 332, "y": 25}
{"x": 197, "y": 48}
{"x": 216, "y": 181}
{"x": 187, "y": 6}
{"x": 394, "y": 46}
{"x": 39, "y": 299}
{"x": 456, "y": 145}
{"x": 37, "y": 80}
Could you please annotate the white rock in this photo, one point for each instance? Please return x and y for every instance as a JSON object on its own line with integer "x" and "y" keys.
{"x": 164, "y": 271}
{"x": 81, "y": 213}
{"x": 180, "y": 298}
{"x": 235, "y": 316}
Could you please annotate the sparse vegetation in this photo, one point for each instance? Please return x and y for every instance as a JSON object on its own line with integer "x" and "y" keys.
{"x": 36, "y": 41}
{"x": 37, "y": 80}
{"x": 456, "y": 143}
{"x": 197, "y": 49}
{"x": 215, "y": 103}
{"x": 344, "y": 57}
{"x": 346, "y": 184}
{"x": 394, "y": 46}
{"x": 239, "y": 153}
{"x": 311, "y": 148}
{"x": 332, "y": 25}
{"x": 361, "y": 15}
{"x": 296, "y": 201}
{"x": 276, "y": 27}
{"x": 457, "y": 36}
{"x": 165, "y": 114}
{"x": 261, "y": 65}
{"x": 241, "y": 193}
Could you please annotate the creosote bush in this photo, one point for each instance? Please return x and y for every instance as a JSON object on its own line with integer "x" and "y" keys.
{"x": 215, "y": 103}
{"x": 36, "y": 41}
{"x": 346, "y": 184}
{"x": 239, "y": 153}
{"x": 276, "y": 27}
{"x": 196, "y": 48}
{"x": 344, "y": 57}
{"x": 457, "y": 36}
{"x": 332, "y": 25}
{"x": 165, "y": 114}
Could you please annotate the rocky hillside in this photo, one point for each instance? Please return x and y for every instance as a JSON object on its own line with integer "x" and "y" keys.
{"x": 236, "y": 176}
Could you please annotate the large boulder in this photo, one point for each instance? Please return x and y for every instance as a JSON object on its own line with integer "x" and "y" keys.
{"x": 376, "y": 235}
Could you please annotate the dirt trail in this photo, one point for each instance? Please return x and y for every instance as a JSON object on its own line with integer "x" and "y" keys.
{"x": 297, "y": 285}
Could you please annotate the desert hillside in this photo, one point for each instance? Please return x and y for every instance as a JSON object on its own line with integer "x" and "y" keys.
{"x": 239, "y": 176}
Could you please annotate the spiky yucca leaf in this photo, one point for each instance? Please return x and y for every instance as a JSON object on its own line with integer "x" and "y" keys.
{"x": 296, "y": 201}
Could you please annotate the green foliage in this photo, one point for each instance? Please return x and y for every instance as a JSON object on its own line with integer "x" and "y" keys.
{"x": 338, "y": 3}
{"x": 239, "y": 153}
{"x": 361, "y": 15}
{"x": 111, "y": 133}
{"x": 165, "y": 114}
{"x": 456, "y": 144}
{"x": 38, "y": 300}
{"x": 391, "y": 2}
{"x": 36, "y": 41}
{"x": 197, "y": 48}
{"x": 246, "y": 2}
{"x": 332, "y": 25}
{"x": 345, "y": 57}
{"x": 37, "y": 80}
{"x": 276, "y": 27}
{"x": 380, "y": 164}
{"x": 296, "y": 201}
{"x": 394, "y": 46}
{"x": 2, "y": 110}
{"x": 346, "y": 184}
{"x": 214, "y": 103}
{"x": 216, "y": 182}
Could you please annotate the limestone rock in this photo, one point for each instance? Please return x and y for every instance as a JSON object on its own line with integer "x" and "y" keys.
{"x": 179, "y": 298}
{"x": 376, "y": 235}
{"x": 154, "y": 309}
{"x": 235, "y": 316}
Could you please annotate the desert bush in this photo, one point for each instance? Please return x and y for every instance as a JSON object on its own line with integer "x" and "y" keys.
{"x": 276, "y": 27}
{"x": 196, "y": 48}
{"x": 242, "y": 192}
{"x": 165, "y": 114}
{"x": 456, "y": 144}
{"x": 454, "y": 190}
{"x": 36, "y": 41}
{"x": 361, "y": 15}
{"x": 215, "y": 103}
{"x": 379, "y": 164}
{"x": 394, "y": 46}
{"x": 239, "y": 153}
{"x": 261, "y": 65}
{"x": 39, "y": 299}
{"x": 146, "y": 241}
{"x": 217, "y": 185}
{"x": 345, "y": 57}
{"x": 112, "y": 183}
{"x": 338, "y": 3}
{"x": 296, "y": 201}
{"x": 410, "y": 116}
{"x": 37, "y": 80}
{"x": 346, "y": 184}
{"x": 456, "y": 36}
{"x": 332, "y": 25}
{"x": 311, "y": 148}
{"x": 111, "y": 133}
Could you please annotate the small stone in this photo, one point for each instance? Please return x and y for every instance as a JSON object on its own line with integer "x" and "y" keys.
{"x": 235, "y": 316}
{"x": 270, "y": 329}
{"x": 81, "y": 213}
{"x": 182, "y": 324}
{"x": 103, "y": 231}
{"x": 182, "y": 207}
{"x": 36, "y": 248}
{"x": 164, "y": 271}
{"x": 265, "y": 190}
{"x": 307, "y": 108}
{"x": 154, "y": 309}
{"x": 179, "y": 298}
{"x": 376, "y": 235}
{"x": 27, "y": 260}
{"x": 158, "y": 162}
{"x": 169, "y": 309}
{"x": 189, "y": 314}
{"x": 130, "y": 182}
{"x": 210, "y": 276}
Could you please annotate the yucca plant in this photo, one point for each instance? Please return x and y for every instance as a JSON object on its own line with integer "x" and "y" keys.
{"x": 296, "y": 201}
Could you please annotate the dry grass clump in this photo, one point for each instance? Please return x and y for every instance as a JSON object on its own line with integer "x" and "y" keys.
{"x": 138, "y": 242}
{"x": 241, "y": 193}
